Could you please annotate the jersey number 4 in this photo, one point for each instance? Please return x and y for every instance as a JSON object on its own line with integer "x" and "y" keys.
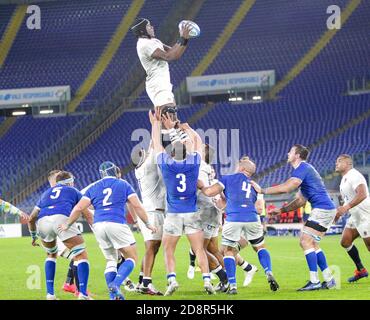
{"x": 182, "y": 182}
{"x": 108, "y": 192}
{"x": 247, "y": 188}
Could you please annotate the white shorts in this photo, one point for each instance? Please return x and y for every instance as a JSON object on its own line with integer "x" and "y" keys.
{"x": 233, "y": 231}
{"x": 177, "y": 224}
{"x": 359, "y": 221}
{"x": 156, "y": 219}
{"x": 47, "y": 228}
{"x": 210, "y": 218}
{"x": 160, "y": 96}
{"x": 323, "y": 217}
{"x": 112, "y": 236}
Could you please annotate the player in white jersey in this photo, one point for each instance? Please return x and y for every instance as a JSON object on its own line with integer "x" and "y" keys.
{"x": 355, "y": 194}
{"x": 153, "y": 196}
{"x": 154, "y": 57}
{"x": 210, "y": 218}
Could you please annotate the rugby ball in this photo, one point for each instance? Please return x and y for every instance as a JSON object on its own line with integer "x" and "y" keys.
{"x": 195, "y": 30}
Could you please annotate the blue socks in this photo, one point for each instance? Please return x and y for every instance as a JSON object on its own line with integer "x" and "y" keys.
{"x": 83, "y": 270}
{"x": 311, "y": 259}
{"x": 230, "y": 267}
{"x": 124, "y": 271}
{"x": 265, "y": 259}
{"x": 110, "y": 274}
{"x": 321, "y": 260}
{"x": 50, "y": 266}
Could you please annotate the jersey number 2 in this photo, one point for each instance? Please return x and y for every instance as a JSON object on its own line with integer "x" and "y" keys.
{"x": 182, "y": 182}
{"x": 108, "y": 192}
{"x": 247, "y": 189}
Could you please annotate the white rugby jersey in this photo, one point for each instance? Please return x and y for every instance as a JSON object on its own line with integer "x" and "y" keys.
{"x": 152, "y": 189}
{"x": 158, "y": 71}
{"x": 205, "y": 173}
{"x": 350, "y": 181}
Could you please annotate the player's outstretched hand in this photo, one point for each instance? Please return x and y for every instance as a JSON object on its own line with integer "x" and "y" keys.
{"x": 167, "y": 121}
{"x": 256, "y": 186}
{"x": 152, "y": 228}
{"x": 340, "y": 212}
{"x": 184, "y": 126}
{"x": 24, "y": 218}
{"x": 34, "y": 243}
{"x": 185, "y": 30}
{"x": 62, "y": 227}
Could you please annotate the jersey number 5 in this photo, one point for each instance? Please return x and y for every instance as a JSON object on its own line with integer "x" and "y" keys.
{"x": 247, "y": 189}
{"x": 182, "y": 182}
{"x": 108, "y": 192}
{"x": 57, "y": 191}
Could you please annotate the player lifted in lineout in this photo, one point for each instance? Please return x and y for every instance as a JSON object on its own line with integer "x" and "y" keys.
{"x": 154, "y": 57}
{"x": 355, "y": 193}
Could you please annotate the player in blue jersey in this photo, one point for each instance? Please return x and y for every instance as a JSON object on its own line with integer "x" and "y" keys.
{"x": 312, "y": 189}
{"x": 241, "y": 220}
{"x": 53, "y": 209}
{"x": 109, "y": 196}
{"x": 180, "y": 172}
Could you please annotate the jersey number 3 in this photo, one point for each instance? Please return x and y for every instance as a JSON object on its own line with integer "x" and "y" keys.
{"x": 182, "y": 182}
{"x": 108, "y": 192}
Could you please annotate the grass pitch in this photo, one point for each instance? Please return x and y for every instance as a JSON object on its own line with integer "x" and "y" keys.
{"x": 21, "y": 267}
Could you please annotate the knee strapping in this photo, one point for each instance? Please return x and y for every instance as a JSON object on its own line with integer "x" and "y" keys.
{"x": 52, "y": 250}
{"x": 315, "y": 237}
{"x": 77, "y": 250}
{"x": 111, "y": 267}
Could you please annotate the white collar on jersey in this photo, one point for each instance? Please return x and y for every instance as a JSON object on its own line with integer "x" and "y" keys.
{"x": 295, "y": 167}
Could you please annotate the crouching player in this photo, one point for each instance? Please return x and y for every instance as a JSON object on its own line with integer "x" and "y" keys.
{"x": 53, "y": 209}
{"x": 109, "y": 196}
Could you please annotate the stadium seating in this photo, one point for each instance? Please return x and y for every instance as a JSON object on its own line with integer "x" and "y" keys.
{"x": 30, "y": 140}
{"x": 5, "y": 16}
{"x": 59, "y": 55}
{"x": 309, "y": 107}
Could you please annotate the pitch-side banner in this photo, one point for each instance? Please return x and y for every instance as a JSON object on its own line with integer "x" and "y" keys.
{"x": 34, "y": 95}
{"x": 228, "y": 81}
{"x": 13, "y": 230}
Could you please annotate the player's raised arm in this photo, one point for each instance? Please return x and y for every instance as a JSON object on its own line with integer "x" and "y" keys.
{"x": 175, "y": 52}
{"x": 286, "y": 187}
{"x": 194, "y": 143}
{"x": 155, "y": 120}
